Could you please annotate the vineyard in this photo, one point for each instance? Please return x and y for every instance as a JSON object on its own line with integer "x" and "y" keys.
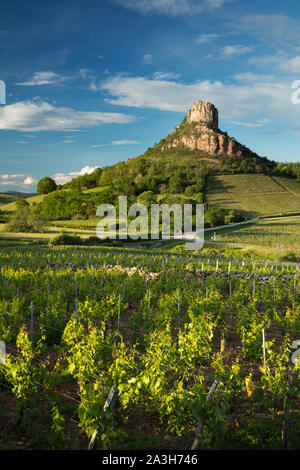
{"x": 118, "y": 349}
{"x": 277, "y": 235}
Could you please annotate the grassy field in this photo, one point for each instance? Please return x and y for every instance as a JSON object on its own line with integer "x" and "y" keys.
{"x": 254, "y": 195}
{"x": 49, "y": 233}
{"x": 275, "y": 238}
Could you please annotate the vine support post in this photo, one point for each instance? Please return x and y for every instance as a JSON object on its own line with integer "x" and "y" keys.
{"x": 286, "y": 410}
{"x": 201, "y": 423}
{"x": 264, "y": 347}
{"x": 178, "y": 307}
{"x": 119, "y": 313}
{"x": 110, "y": 403}
{"x": 31, "y": 323}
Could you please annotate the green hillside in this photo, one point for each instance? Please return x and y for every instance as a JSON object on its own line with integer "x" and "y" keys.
{"x": 254, "y": 195}
{"x": 6, "y": 199}
{"x": 11, "y": 206}
{"x": 10, "y": 196}
{"x": 8, "y": 203}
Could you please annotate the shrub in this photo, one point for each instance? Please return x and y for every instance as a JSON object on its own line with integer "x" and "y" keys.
{"x": 26, "y": 221}
{"x": 21, "y": 204}
{"x": 193, "y": 189}
{"x": 64, "y": 239}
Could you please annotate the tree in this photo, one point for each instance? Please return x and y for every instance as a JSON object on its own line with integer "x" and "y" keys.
{"x": 176, "y": 184}
{"x": 46, "y": 185}
{"x": 21, "y": 204}
{"x": 147, "y": 198}
{"x": 214, "y": 216}
{"x": 26, "y": 221}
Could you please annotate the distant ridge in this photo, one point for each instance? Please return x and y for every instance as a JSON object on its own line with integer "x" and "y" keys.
{"x": 19, "y": 193}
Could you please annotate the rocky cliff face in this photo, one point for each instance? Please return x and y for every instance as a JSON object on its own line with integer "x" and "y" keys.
{"x": 200, "y": 131}
{"x": 204, "y": 113}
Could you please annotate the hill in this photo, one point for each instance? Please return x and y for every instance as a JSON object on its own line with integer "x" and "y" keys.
{"x": 10, "y": 196}
{"x": 197, "y": 162}
{"x": 10, "y": 205}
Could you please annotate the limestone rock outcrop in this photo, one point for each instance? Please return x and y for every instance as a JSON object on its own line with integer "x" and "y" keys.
{"x": 200, "y": 131}
{"x": 205, "y": 113}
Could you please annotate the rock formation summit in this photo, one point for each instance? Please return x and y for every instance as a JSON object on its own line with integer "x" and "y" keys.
{"x": 200, "y": 131}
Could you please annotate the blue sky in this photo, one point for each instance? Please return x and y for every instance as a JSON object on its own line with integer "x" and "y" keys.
{"x": 90, "y": 83}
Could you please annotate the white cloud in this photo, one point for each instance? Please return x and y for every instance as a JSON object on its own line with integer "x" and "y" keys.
{"x": 269, "y": 61}
{"x": 252, "y": 77}
{"x": 124, "y": 142}
{"x": 291, "y": 65}
{"x": 93, "y": 86}
{"x": 29, "y": 181}
{"x": 33, "y": 116}
{"x": 67, "y": 141}
{"x": 236, "y": 49}
{"x": 7, "y": 177}
{"x": 147, "y": 59}
{"x": 17, "y": 180}
{"x": 281, "y": 60}
{"x": 85, "y": 170}
{"x": 165, "y": 76}
{"x": 117, "y": 142}
{"x": 44, "y": 78}
{"x": 62, "y": 178}
{"x": 258, "y": 123}
{"x": 234, "y": 100}
{"x": 205, "y": 38}
{"x": 276, "y": 27}
{"x": 281, "y": 130}
{"x": 171, "y": 7}
{"x": 85, "y": 73}
{"x": 7, "y": 183}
